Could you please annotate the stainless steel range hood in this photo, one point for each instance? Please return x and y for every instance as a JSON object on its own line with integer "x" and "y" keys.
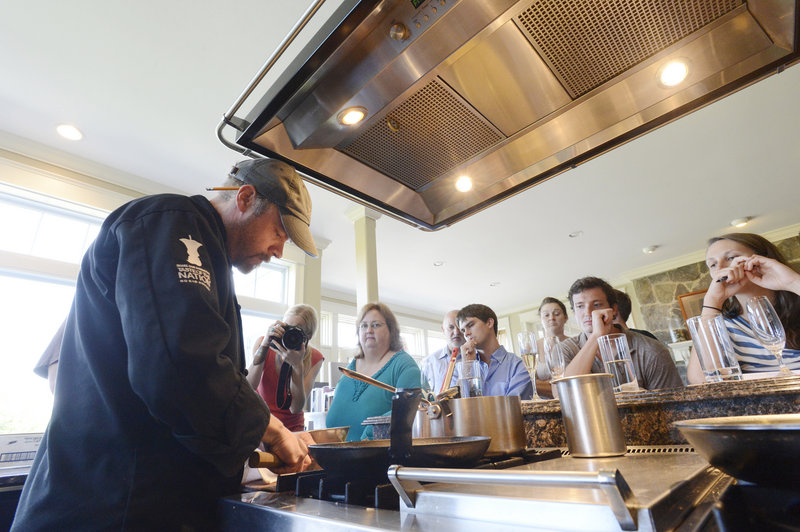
{"x": 507, "y": 93}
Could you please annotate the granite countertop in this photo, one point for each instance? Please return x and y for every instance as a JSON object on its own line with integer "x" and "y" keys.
{"x": 696, "y": 392}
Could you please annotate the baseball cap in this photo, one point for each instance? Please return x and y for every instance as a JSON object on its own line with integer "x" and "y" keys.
{"x": 282, "y": 185}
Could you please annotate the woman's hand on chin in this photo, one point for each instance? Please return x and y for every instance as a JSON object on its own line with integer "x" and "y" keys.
{"x": 771, "y": 274}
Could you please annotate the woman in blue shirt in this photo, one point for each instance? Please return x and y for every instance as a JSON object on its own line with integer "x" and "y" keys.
{"x": 381, "y": 356}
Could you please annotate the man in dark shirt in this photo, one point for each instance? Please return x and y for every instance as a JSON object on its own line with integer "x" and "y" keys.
{"x": 624, "y": 312}
{"x": 153, "y": 417}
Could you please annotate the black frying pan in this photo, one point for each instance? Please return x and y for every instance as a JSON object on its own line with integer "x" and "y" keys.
{"x": 373, "y": 457}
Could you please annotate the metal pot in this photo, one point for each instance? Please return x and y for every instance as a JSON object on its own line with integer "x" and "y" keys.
{"x": 498, "y": 417}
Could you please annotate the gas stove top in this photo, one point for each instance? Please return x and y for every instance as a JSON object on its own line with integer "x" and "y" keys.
{"x": 660, "y": 489}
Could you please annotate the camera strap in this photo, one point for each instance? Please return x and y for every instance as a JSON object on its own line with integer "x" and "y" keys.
{"x": 284, "y": 393}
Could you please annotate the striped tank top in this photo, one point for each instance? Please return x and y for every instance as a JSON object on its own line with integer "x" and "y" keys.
{"x": 752, "y": 356}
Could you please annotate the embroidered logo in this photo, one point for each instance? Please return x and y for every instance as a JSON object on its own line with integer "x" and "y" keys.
{"x": 193, "y": 272}
{"x": 191, "y": 250}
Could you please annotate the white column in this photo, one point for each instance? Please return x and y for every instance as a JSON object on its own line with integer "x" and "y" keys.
{"x": 312, "y": 281}
{"x": 363, "y": 219}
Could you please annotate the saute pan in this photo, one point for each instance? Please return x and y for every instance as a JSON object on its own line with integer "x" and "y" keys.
{"x": 763, "y": 449}
{"x": 373, "y": 457}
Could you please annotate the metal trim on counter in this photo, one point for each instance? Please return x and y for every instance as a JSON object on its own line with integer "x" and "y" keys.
{"x": 406, "y": 481}
{"x": 283, "y": 512}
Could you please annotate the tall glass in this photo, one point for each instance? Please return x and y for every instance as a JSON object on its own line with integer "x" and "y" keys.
{"x": 714, "y": 349}
{"x": 528, "y": 350}
{"x": 768, "y": 328}
{"x": 553, "y": 357}
{"x": 617, "y": 359}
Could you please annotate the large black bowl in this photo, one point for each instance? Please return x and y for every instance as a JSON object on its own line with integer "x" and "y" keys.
{"x": 764, "y": 449}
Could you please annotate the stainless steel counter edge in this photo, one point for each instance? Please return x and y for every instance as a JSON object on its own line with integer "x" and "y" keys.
{"x": 282, "y": 512}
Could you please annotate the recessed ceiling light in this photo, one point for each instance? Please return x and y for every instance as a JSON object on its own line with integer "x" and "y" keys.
{"x": 352, "y": 116}
{"x": 69, "y": 132}
{"x": 649, "y": 249}
{"x": 464, "y": 183}
{"x": 673, "y": 72}
{"x": 438, "y": 263}
{"x": 741, "y": 222}
{"x": 494, "y": 283}
{"x": 575, "y": 234}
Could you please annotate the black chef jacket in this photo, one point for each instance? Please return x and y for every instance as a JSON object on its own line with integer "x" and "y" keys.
{"x": 153, "y": 417}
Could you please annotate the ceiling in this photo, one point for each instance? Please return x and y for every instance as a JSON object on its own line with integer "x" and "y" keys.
{"x": 147, "y": 83}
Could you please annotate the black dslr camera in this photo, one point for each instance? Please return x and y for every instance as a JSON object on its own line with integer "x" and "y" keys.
{"x": 293, "y": 337}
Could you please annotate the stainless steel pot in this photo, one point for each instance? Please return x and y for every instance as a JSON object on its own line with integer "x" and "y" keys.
{"x": 499, "y": 417}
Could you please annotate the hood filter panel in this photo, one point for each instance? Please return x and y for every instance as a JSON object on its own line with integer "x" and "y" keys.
{"x": 588, "y": 43}
{"x": 428, "y": 134}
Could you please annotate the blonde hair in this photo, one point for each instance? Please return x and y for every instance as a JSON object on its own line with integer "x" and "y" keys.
{"x": 308, "y": 323}
{"x": 395, "y": 342}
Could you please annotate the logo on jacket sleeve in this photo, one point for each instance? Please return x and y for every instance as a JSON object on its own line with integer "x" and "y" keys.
{"x": 193, "y": 272}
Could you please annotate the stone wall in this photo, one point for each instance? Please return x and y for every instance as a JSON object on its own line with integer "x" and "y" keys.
{"x": 658, "y": 294}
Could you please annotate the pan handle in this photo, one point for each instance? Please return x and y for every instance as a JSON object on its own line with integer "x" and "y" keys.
{"x": 406, "y": 481}
{"x": 262, "y": 459}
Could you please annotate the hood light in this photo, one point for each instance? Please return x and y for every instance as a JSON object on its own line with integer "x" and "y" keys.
{"x": 673, "y": 73}
{"x": 69, "y": 132}
{"x": 741, "y": 222}
{"x": 464, "y": 184}
{"x": 352, "y": 116}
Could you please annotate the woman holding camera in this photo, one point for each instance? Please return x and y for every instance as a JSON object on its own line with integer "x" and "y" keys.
{"x": 284, "y": 365}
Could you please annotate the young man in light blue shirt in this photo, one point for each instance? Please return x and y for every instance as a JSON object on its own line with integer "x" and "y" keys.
{"x": 503, "y": 373}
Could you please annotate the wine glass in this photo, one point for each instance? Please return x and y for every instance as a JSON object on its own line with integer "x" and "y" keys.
{"x": 768, "y": 328}
{"x": 554, "y": 357}
{"x": 528, "y": 350}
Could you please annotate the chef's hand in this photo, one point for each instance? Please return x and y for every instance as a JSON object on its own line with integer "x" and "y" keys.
{"x": 726, "y": 282}
{"x": 603, "y": 322}
{"x": 772, "y": 274}
{"x": 291, "y": 448}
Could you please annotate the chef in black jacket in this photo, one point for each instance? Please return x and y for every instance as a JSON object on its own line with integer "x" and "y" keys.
{"x": 153, "y": 417}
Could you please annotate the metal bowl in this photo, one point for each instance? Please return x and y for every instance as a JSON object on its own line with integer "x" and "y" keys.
{"x": 764, "y": 449}
{"x": 331, "y": 435}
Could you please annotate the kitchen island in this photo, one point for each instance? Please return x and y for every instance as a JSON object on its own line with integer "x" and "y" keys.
{"x": 647, "y": 416}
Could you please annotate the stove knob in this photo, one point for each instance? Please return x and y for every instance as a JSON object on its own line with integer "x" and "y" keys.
{"x": 399, "y": 32}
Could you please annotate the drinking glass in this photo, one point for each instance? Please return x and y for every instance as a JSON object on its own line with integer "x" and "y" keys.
{"x": 617, "y": 359}
{"x": 470, "y": 380}
{"x": 714, "y": 349}
{"x": 528, "y": 350}
{"x": 554, "y": 358}
{"x": 768, "y": 328}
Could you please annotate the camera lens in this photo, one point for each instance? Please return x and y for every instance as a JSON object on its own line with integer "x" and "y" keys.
{"x": 293, "y": 338}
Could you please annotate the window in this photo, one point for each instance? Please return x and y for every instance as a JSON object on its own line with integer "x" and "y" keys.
{"x": 269, "y": 282}
{"x": 326, "y": 329}
{"x": 413, "y": 341}
{"x": 31, "y": 312}
{"x": 254, "y": 325}
{"x": 346, "y": 332}
{"x": 40, "y": 230}
{"x": 436, "y": 341}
